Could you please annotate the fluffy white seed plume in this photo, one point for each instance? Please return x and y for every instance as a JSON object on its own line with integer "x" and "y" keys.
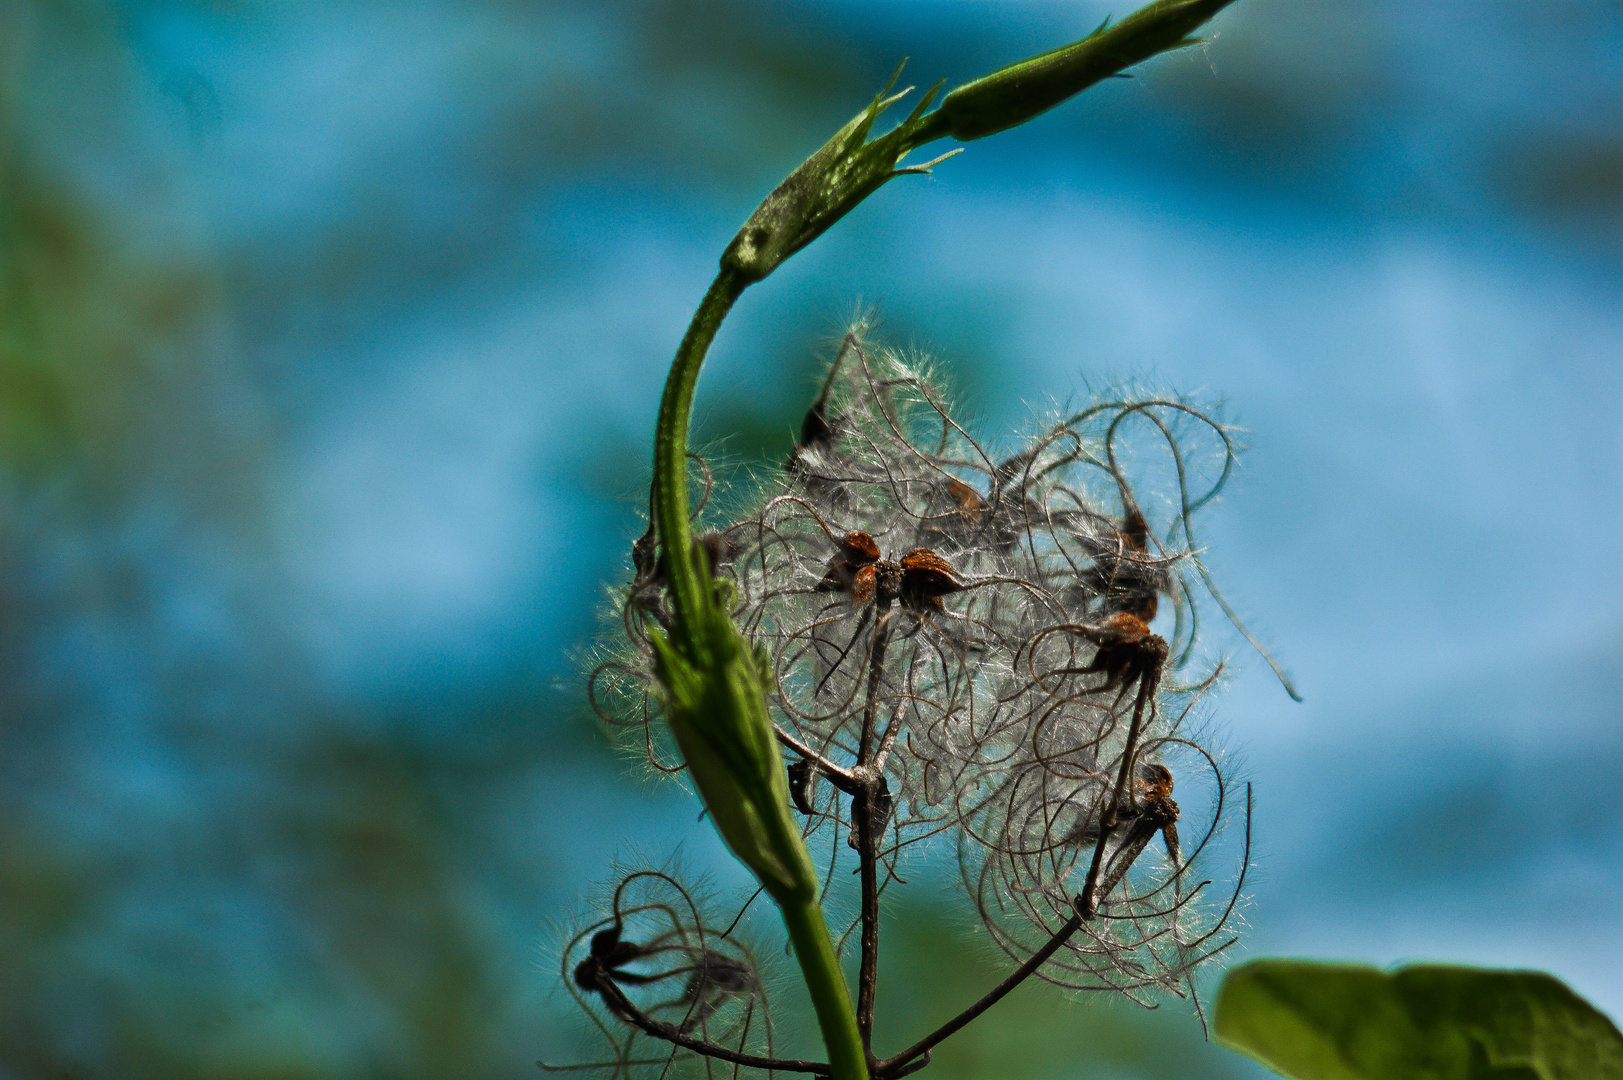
{"x": 972, "y": 631}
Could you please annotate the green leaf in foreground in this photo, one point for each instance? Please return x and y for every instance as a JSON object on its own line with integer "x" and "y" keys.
{"x": 1349, "y": 1022}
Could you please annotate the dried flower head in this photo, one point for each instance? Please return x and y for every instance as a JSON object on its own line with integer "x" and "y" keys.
{"x": 960, "y": 644}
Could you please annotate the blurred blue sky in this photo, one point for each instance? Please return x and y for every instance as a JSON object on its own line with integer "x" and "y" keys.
{"x": 333, "y": 340}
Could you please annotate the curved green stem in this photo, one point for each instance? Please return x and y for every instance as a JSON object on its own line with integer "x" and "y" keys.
{"x": 671, "y": 444}
{"x": 718, "y": 711}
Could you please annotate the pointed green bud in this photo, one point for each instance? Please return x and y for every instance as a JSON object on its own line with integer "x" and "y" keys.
{"x": 1015, "y": 94}
{"x": 826, "y": 186}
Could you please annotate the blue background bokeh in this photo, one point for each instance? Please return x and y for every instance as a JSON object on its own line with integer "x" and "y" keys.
{"x": 330, "y": 342}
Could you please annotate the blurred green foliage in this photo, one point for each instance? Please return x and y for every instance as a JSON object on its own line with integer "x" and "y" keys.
{"x": 111, "y": 366}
